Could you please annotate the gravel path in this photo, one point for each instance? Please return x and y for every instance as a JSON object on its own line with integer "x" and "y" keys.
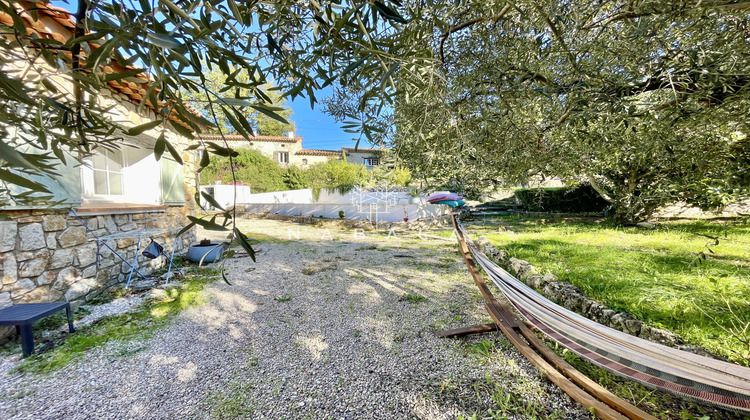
{"x": 318, "y": 328}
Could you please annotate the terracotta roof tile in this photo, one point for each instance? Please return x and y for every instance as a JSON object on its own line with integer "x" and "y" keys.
{"x": 133, "y": 91}
{"x": 237, "y": 137}
{"x": 316, "y": 152}
{"x": 362, "y": 149}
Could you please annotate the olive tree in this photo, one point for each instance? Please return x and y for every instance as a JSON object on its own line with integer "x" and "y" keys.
{"x": 647, "y": 100}
{"x": 300, "y": 47}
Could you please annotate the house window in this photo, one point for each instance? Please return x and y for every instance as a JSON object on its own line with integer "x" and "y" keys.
{"x": 372, "y": 161}
{"x": 304, "y": 161}
{"x": 282, "y": 157}
{"x": 107, "y": 169}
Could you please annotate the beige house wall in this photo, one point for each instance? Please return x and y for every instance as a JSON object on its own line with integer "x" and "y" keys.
{"x": 306, "y": 161}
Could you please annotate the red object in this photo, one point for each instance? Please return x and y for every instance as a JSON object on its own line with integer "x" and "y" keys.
{"x": 443, "y": 197}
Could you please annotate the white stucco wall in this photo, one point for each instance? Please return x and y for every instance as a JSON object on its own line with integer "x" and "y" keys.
{"x": 329, "y": 204}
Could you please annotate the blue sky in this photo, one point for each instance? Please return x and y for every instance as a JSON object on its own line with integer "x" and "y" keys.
{"x": 318, "y": 129}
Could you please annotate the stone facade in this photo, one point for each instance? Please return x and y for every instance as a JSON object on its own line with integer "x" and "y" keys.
{"x": 47, "y": 255}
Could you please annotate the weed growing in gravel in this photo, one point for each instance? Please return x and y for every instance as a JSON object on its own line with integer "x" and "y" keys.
{"x": 283, "y": 299}
{"x": 309, "y": 271}
{"x": 510, "y": 403}
{"x": 367, "y": 248}
{"x": 482, "y": 350}
{"x": 412, "y": 298}
{"x": 140, "y": 324}
{"x": 232, "y": 403}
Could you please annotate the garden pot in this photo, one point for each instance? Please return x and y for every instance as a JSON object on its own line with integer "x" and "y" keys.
{"x": 211, "y": 251}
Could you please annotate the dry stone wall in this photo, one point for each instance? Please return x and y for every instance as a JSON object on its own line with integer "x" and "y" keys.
{"x": 49, "y": 256}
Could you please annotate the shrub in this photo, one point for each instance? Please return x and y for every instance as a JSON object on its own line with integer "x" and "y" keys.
{"x": 250, "y": 167}
{"x": 294, "y": 178}
{"x": 336, "y": 175}
{"x": 580, "y": 198}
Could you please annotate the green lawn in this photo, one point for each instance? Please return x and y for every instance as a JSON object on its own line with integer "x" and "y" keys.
{"x": 656, "y": 275}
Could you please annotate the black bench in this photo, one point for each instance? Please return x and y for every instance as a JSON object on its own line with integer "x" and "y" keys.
{"x": 24, "y": 315}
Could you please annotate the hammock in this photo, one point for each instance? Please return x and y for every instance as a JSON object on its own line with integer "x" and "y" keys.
{"x": 686, "y": 374}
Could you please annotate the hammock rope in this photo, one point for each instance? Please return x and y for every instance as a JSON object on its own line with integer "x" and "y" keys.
{"x": 657, "y": 366}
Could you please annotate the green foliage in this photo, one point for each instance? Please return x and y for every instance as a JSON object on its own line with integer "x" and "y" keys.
{"x": 215, "y": 81}
{"x": 294, "y": 178}
{"x": 336, "y": 175}
{"x": 580, "y": 198}
{"x": 637, "y": 97}
{"x": 226, "y": 53}
{"x": 251, "y": 168}
{"x": 412, "y": 298}
{"x": 649, "y": 273}
{"x": 394, "y": 176}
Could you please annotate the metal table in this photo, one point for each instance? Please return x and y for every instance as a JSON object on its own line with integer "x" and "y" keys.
{"x": 23, "y": 315}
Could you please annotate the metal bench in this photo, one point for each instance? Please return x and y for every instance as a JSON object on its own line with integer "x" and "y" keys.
{"x": 24, "y": 315}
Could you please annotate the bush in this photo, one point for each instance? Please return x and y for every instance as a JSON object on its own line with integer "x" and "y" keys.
{"x": 581, "y": 198}
{"x": 294, "y": 178}
{"x": 250, "y": 167}
{"x": 336, "y": 175}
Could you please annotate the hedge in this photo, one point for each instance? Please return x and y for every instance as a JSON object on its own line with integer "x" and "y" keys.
{"x": 581, "y": 198}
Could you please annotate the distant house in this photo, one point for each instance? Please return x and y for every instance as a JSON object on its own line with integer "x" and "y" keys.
{"x": 45, "y": 253}
{"x": 288, "y": 151}
{"x": 364, "y": 156}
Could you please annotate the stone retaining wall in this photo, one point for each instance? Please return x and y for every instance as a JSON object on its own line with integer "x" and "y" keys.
{"x": 570, "y": 297}
{"x": 49, "y": 256}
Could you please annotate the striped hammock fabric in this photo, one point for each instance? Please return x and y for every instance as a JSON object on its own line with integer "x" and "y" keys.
{"x": 686, "y": 374}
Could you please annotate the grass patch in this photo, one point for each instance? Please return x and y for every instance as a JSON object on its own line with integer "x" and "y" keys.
{"x": 232, "y": 403}
{"x": 283, "y": 299}
{"x": 412, "y": 298}
{"x": 309, "y": 271}
{"x": 482, "y": 350}
{"x": 140, "y": 324}
{"x": 655, "y": 275}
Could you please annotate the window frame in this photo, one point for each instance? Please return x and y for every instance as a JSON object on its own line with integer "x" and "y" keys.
{"x": 107, "y": 171}
{"x": 372, "y": 161}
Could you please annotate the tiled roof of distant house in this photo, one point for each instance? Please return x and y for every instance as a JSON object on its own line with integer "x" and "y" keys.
{"x": 361, "y": 149}
{"x": 316, "y": 152}
{"x": 237, "y": 137}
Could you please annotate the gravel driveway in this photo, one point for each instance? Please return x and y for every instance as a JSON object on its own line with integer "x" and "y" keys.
{"x": 330, "y": 325}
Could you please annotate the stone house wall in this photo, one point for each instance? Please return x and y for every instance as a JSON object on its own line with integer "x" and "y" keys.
{"x": 47, "y": 255}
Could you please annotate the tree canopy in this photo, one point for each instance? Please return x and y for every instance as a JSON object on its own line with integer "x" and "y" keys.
{"x": 262, "y": 124}
{"x": 169, "y": 48}
{"x": 647, "y": 100}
